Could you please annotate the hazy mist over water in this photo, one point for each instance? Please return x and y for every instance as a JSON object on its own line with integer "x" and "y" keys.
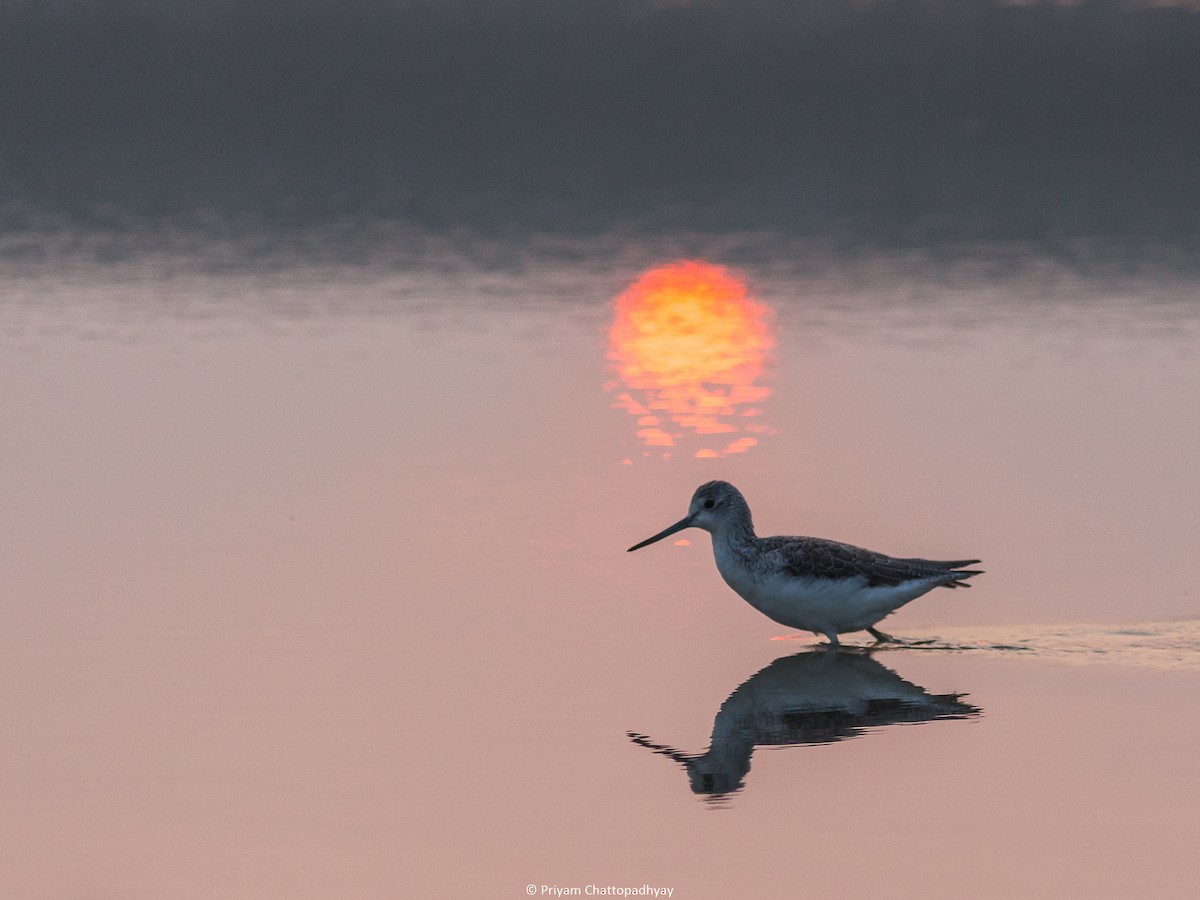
{"x": 921, "y": 121}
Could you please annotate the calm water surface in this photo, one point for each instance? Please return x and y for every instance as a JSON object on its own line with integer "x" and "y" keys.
{"x": 315, "y": 582}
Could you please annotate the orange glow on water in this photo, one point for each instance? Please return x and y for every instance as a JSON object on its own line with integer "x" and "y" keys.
{"x": 690, "y": 345}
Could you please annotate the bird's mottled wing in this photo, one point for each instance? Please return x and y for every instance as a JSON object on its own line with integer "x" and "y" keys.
{"x": 819, "y": 558}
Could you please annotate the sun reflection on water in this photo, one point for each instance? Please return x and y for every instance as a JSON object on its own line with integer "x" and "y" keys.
{"x": 689, "y": 345}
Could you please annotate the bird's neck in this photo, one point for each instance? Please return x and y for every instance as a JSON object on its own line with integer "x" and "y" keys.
{"x": 736, "y": 532}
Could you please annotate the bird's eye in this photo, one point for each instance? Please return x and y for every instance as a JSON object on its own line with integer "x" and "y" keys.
{"x": 709, "y": 504}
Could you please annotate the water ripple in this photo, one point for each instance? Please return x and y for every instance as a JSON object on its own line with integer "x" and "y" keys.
{"x": 1155, "y": 645}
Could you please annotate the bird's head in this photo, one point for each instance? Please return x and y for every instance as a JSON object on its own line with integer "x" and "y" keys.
{"x": 715, "y": 505}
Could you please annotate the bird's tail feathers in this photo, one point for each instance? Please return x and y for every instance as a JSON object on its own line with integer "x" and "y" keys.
{"x": 946, "y": 564}
{"x": 959, "y": 577}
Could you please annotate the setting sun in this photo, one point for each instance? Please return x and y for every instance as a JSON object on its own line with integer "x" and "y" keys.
{"x": 689, "y": 345}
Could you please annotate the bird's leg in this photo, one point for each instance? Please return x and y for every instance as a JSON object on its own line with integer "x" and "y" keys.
{"x": 833, "y": 639}
{"x": 882, "y": 637}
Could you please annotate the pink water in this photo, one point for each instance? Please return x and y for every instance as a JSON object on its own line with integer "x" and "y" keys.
{"x": 315, "y": 584}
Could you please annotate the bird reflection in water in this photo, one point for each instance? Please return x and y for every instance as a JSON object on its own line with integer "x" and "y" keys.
{"x": 814, "y": 697}
{"x": 690, "y": 346}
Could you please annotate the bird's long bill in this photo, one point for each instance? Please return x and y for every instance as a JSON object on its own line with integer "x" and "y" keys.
{"x": 683, "y": 523}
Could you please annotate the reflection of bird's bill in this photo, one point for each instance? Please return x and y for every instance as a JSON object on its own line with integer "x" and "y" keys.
{"x": 643, "y": 740}
{"x": 683, "y": 523}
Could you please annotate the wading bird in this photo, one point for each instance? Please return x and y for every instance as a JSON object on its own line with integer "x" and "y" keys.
{"x": 809, "y": 583}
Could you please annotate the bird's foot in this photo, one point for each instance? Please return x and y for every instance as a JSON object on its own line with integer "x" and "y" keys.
{"x": 882, "y": 637}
